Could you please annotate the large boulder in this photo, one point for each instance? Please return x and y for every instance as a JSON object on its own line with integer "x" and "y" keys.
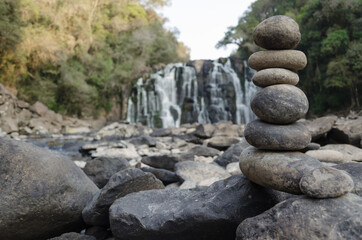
{"x": 119, "y": 185}
{"x": 307, "y": 218}
{"x": 211, "y": 213}
{"x": 42, "y": 193}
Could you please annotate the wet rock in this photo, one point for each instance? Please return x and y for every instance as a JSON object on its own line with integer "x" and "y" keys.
{"x": 277, "y": 32}
{"x": 355, "y": 171}
{"x": 330, "y": 156}
{"x": 320, "y": 126}
{"x": 326, "y": 182}
{"x": 42, "y": 192}
{"x": 347, "y": 131}
{"x": 207, "y": 213}
{"x": 272, "y": 76}
{"x": 278, "y": 170}
{"x": 167, "y": 161}
{"x": 119, "y": 185}
{"x": 73, "y": 236}
{"x": 279, "y": 104}
{"x": 164, "y": 175}
{"x": 277, "y": 137}
{"x": 204, "y": 151}
{"x": 307, "y": 218}
{"x": 198, "y": 172}
{"x": 99, "y": 170}
{"x": 222, "y": 142}
{"x": 289, "y": 59}
{"x": 350, "y": 152}
{"x": 232, "y": 154}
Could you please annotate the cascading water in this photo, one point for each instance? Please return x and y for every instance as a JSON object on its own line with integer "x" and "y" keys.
{"x": 174, "y": 95}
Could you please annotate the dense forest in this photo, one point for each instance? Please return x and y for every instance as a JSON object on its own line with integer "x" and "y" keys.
{"x": 79, "y": 57}
{"x": 331, "y": 38}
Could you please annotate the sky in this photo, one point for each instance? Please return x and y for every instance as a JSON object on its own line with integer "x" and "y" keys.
{"x": 202, "y": 23}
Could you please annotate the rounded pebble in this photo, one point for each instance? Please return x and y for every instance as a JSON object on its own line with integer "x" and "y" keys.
{"x": 280, "y": 104}
{"x": 289, "y": 59}
{"x": 277, "y": 32}
{"x": 326, "y": 182}
{"x": 277, "y": 137}
{"x": 272, "y": 76}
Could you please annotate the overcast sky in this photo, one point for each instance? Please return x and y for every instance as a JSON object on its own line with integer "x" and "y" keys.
{"x": 202, "y": 23}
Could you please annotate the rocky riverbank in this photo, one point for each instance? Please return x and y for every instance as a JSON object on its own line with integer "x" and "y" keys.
{"x": 195, "y": 189}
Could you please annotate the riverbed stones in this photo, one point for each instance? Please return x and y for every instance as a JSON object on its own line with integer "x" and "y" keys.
{"x": 180, "y": 214}
{"x": 277, "y": 32}
{"x": 326, "y": 182}
{"x": 279, "y": 104}
{"x": 268, "y": 136}
{"x": 272, "y": 76}
{"x": 289, "y": 59}
{"x": 42, "y": 193}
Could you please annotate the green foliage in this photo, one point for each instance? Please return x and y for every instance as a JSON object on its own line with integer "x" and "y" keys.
{"x": 331, "y": 39}
{"x": 80, "y": 57}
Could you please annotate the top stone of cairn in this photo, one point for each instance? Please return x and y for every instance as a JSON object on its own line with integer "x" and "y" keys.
{"x": 276, "y": 33}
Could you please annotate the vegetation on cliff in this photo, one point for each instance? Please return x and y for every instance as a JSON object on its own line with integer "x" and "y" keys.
{"x": 79, "y": 57}
{"x": 331, "y": 38}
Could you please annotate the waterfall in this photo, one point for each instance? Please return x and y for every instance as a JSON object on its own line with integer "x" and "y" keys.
{"x": 177, "y": 94}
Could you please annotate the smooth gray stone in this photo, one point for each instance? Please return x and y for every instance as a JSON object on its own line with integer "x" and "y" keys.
{"x": 144, "y": 140}
{"x": 289, "y": 59}
{"x": 307, "y": 218}
{"x": 99, "y": 170}
{"x": 42, "y": 193}
{"x": 326, "y": 182}
{"x": 267, "y": 136}
{"x": 222, "y": 142}
{"x": 279, "y": 104}
{"x": 281, "y": 171}
{"x": 277, "y": 32}
{"x": 167, "y": 161}
{"x": 320, "y": 126}
{"x": 211, "y": 213}
{"x": 272, "y": 76}
{"x": 127, "y": 181}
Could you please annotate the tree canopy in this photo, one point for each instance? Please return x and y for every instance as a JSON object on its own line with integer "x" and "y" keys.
{"x": 331, "y": 38}
{"x": 79, "y": 57}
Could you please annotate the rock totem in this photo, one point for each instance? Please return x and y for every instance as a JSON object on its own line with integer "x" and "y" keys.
{"x": 274, "y": 161}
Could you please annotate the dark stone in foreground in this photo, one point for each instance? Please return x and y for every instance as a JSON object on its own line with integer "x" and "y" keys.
{"x": 211, "y": 213}
{"x": 279, "y": 104}
{"x": 164, "y": 175}
{"x": 119, "y": 185}
{"x": 42, "y": 192}
{"x": 73, "y": 236}
{"x": 232, "y": 154}
{"x": 99, "y": 170}
{"x": 307, "y": 218}
{"x": 277, "y": 137}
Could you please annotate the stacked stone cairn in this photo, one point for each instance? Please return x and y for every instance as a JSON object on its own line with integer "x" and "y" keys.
{"x": 274, "y": 160}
